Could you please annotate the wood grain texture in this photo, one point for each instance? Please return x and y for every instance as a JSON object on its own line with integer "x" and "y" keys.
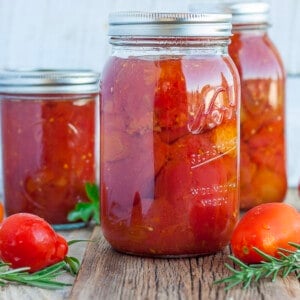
{"x": 106, "y": 274}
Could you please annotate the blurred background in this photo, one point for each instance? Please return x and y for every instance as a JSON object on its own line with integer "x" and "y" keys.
{"x": 73, "y": 34}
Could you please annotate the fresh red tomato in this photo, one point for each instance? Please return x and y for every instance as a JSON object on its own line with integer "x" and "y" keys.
{"x": 267, "y": 227}
{"x": 27, "y": 240}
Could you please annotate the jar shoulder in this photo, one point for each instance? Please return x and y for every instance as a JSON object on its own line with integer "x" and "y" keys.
{"x": 255, "y": 55}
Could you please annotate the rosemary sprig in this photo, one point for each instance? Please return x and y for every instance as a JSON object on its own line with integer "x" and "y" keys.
{"x": 86, "y": 211}
{"x": 45, "y": 278}
{"x": 287, "y": 263}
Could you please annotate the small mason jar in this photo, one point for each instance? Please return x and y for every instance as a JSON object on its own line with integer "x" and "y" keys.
{"x": 169, "y": 134}
{"x": 48, "y": 134}
{"x": 263, "y": 158}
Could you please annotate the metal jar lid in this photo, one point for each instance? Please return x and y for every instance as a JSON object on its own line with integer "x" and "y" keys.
{"x": 249, "y": 12}
{"x": 49, "y": 81}
{"x": 155, "y": 24}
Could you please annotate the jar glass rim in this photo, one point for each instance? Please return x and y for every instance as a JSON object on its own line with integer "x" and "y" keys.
{"x": 49, "y": 80}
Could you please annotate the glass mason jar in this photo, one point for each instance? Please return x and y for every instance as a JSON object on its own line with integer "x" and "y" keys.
{"x": 48, "y": 122}
{"x": 263, "y": 169}
{"x": 169, "y": 134}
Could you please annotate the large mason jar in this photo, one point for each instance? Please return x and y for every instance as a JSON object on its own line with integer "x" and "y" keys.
{"x": 169, "y": 134}
{"x": 263, "y": 161}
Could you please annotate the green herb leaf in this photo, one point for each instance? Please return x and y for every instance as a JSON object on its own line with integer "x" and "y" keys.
{"x": 87, "y": 211}
{"x": 72, "y": 264}
{"x": 287, "y": 263}
{"x": 83, "y": 211}
{"x": 78, "y": 241}
{"x": 92, "y": 192}
{"x": 45, "y": 278}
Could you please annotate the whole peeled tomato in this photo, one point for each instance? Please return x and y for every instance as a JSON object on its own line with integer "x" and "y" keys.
{"x": 267, "y": 227}
{"x": 27, "y": 240}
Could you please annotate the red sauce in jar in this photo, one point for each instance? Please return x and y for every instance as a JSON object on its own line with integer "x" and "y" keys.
{"x": 48, "y": 146}
{"x": 263, "y": 170}
{"x": 169, "y": 154}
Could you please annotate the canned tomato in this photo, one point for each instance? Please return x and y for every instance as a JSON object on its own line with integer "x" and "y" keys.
{"x": 263, "y": 158}
{"x": 169, "y": 134}
{"x": 48, "y": 122}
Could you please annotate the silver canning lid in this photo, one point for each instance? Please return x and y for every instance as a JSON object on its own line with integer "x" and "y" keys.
{"x": 49, "y": 81}
{"x": 154, "y": 24}
{"x": 249, "y": 12}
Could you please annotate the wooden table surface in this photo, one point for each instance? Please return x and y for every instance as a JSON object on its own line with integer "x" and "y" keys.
{"x": 106, "y": 274}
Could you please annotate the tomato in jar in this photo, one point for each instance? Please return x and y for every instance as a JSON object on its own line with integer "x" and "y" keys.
{"x": 48, "y": 151}
{"x": 263, "y": 158}
{"x": 169, "y": 150}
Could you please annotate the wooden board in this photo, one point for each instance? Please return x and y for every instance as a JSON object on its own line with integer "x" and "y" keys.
{"x": 106, "y": 274}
